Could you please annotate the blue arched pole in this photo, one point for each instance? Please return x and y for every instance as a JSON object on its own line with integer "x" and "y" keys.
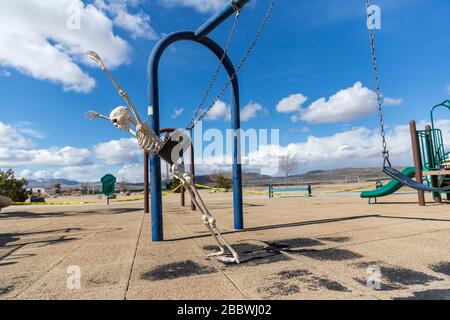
{"x": 200, "y": 36}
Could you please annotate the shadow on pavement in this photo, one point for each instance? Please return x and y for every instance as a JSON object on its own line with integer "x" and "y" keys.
{"x": 28, "y": 214}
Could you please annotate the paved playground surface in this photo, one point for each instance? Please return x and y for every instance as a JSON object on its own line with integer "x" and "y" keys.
{"x": 296, "y": 248}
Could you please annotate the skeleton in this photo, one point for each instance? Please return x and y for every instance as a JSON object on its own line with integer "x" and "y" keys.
{"x": 171, "y": 150}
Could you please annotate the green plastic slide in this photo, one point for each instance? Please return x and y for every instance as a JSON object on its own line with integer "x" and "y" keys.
{"x": 391, "y": 187}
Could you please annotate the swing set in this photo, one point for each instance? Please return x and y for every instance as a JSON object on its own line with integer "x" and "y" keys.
{"x": 152, "y": 183}
{"x": 201, "y": 36}
{"x": 401, "y": 177}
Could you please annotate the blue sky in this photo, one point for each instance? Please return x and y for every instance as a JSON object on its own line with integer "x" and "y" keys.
{"x": 311, "y": 49}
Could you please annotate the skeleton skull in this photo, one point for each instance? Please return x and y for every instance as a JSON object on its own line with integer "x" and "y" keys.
{"x": 121, "y": 118}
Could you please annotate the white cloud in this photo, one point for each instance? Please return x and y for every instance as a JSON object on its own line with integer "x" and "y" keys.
{"x": 393, "y": 101}
{"x": 25, "y": 173}
{"x": 291, "y": 104}
{"x": 345, "y": 105}
{"x": 219, "y": 111}
{"x": 66, "y": 156}
{"x": 131, "y": 172}
{"x": 59, "y": 156}
{"x": 357, "y": 147}
{"x": 91, "y": 172}
{"x": 118, "y": 151}
{"x": 37, "y": 41}
{"x": 137, "y": 24}
{"x": 78, "y": 173}
{"x": 251, "y": 111}
{"x": 11, "y": 138}
{"x": 222, "y": 111}
{"x": 26, "y": 128}
{"x": 18, "y": 150}
{"x": 41, "y": 175}
{"x": 199, "y": 5}
{"x": 177, "y": 113}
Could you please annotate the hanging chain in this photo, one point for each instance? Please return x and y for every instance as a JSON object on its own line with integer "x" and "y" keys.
{"x": 239, "y": 67}
{"x": 378, "y": 89}
{"x": 217, "y": 71}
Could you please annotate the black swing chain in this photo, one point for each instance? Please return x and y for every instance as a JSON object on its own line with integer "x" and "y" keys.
{"x": 217, "y": 71}
{"x": 378, "y": 89}
{"x": 239, "y": 67}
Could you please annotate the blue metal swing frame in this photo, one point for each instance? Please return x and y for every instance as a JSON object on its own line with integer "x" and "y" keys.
{"x": 199, "y": 36}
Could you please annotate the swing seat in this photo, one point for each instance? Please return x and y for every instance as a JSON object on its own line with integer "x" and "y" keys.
{"x": 406, "y": 181}
{"x": 175, "y": 147}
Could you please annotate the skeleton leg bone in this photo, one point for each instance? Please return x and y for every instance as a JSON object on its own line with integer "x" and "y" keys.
{"x": 208, "y": 219}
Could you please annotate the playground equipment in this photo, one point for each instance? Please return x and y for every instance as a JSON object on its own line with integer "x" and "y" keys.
{"x": 387, "y": 166}
{"x": 431, "y": 159}
{"x": 388, "y": 189}
{"x": 431, "y": 163}
{"x": 283, "y": 192}
{"x": 4, "y": 202}
{"x": 200, "y": 36}
{"x": 441, "y": 157}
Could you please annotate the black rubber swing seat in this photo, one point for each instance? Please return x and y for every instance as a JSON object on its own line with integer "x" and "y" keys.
{"x": 405, "y": 180}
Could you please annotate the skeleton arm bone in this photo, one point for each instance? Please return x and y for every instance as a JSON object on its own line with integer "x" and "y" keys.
{"x": 90, "y": 115}
{"x": 130, "y": 105}
{"x": 147, "y": 139}
{"x": 94, "y": 56}
{"x": 125, "y": 96}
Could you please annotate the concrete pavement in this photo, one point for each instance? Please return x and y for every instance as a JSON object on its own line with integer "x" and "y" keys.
{"x": 295, "y": 248}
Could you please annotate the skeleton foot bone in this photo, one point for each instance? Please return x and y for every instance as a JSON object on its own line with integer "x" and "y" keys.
{"x": 208, "y": 219}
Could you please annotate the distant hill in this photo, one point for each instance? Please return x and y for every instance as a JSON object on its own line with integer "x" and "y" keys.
{"x": 364, "y": 174}
{"x": 45, "y": 183}
{"x": 246, "y": 176}
{"x": 316, "y": 176}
